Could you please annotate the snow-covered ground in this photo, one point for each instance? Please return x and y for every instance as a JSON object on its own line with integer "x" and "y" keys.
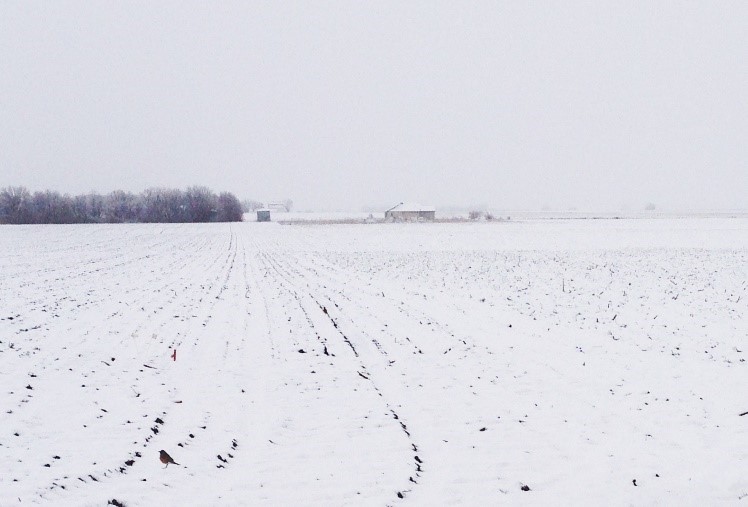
{"x": 594, "y": 361}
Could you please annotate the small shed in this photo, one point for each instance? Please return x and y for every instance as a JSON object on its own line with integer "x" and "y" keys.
{"x": 263, "y": 215}
{"x": 410, "y": 213}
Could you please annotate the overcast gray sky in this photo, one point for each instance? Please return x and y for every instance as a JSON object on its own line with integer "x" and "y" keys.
{"x": 337, "y": 105}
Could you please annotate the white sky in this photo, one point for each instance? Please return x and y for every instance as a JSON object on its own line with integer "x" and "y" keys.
{"x": 596, "y": 105}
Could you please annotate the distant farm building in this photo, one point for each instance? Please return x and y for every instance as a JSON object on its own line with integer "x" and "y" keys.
{"x": 263, "y": 215}
{"x": 278, "y": 206}
{"x": 410, "y": 213}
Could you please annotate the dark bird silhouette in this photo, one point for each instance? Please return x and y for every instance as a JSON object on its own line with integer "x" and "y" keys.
{"x": 165, "y": 458}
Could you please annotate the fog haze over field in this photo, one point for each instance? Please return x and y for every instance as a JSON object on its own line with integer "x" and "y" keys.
{"x": 337, "y": 105}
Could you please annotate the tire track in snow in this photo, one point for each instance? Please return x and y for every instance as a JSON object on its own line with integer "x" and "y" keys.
{"x": 100, "y": 472}
{"x": 362, "y": 371}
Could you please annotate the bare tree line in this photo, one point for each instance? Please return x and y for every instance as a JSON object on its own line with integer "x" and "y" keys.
{"x": 154, "y": 205}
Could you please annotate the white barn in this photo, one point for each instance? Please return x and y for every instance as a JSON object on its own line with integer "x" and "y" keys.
{"x": 410, "y": 213}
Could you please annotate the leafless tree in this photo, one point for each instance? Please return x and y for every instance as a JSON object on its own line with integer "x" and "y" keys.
{"x": 15, "y": 205}
{"x": 250, "y": 205}
{"x": 121, "y": 207}
{"x": 229, "y": 208}
{"x": 201, "y": 204}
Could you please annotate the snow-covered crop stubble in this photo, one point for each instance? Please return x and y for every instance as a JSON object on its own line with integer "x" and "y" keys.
{"x": 427, "y": 364}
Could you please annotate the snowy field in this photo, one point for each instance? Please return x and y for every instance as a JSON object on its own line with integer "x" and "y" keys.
{"x": 596, "y": 362}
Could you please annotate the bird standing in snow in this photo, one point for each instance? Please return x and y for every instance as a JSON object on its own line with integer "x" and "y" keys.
{"x": 165, "y": 458}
